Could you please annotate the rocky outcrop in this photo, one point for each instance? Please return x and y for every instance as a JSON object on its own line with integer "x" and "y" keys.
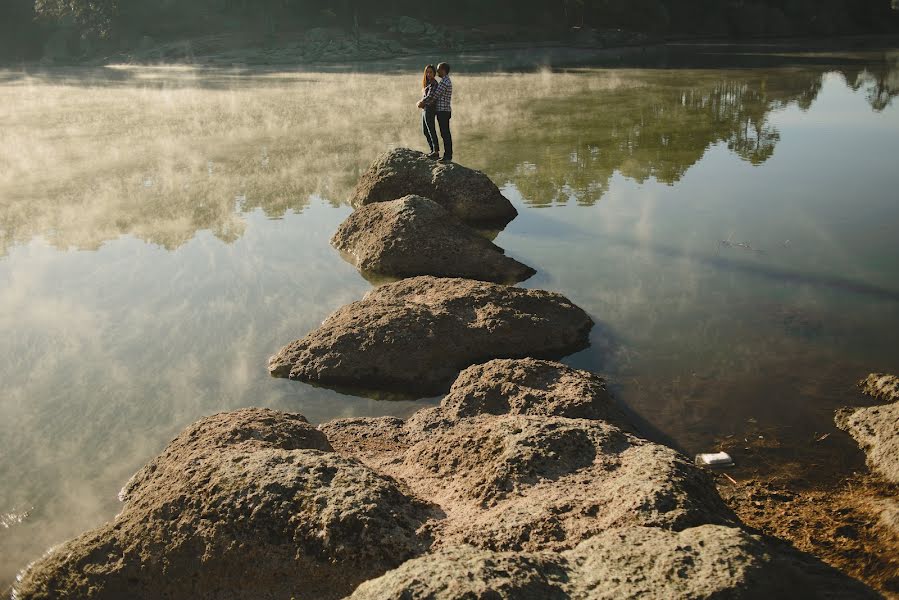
{"x": 466, "y": 193}
{"x": 416, "y": 236}
{"x": 516, "y": 482}
{"x": 251, "y": 504}
{"x": 876, "y": 429}
{"x": 499, "y": 497}
{"x": 528, "y": 464}
{"x": 638, "y": 562}
{"x": 526, "y": 387}
{"x": 415, "y": 335}
{"x": 881, "y": 386}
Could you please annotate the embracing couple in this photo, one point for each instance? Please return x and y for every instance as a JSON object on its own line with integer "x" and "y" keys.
{"x": 436, "y": 104}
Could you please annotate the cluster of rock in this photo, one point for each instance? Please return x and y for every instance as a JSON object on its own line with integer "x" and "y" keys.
{"x": 527, "y": 481}
{"x": 524, "y": 483}
{"x": 876, "y": 428}
{"x": 413, "y": 219}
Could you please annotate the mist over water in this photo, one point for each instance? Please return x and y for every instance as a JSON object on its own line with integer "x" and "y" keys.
{"x": 164, "y": 230}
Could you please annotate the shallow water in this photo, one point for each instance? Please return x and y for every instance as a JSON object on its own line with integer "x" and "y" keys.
{"x": 734, "y": 233}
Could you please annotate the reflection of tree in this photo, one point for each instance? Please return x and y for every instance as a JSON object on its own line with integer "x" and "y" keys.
{"x": 657, "y": 129}
{"x": 880, "y": 82}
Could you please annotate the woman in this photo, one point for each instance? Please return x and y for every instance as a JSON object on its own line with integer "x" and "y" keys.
{"x": 429, "y": 84}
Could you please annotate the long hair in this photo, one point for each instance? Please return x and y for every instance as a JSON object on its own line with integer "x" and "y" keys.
{"x": 424, "y": 78}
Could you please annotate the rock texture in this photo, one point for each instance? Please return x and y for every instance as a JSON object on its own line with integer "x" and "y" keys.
{"x": 527, "y": 387}
{"x": 881, "y": 386}
{"x": 876, "y": 429}
{"x": 252, "y": 504}
{"x": 516, "y": 482}
{"x": 638, "y": 562}
{"x": 415, "y": 335}
{"x": 509, "y": 489}
{"x": 416, "y": 236}
{"x": 466, "y": 193}
{"x": 514, "y": 465}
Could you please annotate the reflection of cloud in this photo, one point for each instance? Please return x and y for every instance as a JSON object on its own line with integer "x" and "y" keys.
{"x": 108, "y": 355}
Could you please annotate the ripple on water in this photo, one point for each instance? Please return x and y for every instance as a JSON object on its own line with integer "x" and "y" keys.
{"x": 10, "y": 519}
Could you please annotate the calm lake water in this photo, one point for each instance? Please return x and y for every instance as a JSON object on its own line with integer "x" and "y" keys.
{"x": 733, "y": 232}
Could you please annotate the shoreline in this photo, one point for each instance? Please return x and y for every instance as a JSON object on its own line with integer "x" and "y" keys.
{"x": 679, "y": 52}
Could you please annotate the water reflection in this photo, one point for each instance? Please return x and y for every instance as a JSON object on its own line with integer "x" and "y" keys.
{"x": 208, "y": 211}
{"x": 655, "y": 130}
{"x": 163, "y": 157}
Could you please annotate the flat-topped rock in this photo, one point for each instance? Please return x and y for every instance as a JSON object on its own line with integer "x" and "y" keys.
{"x": 638, "y": 562}
{"x": 251, "y": 504}
{"x": 416, "y": 236}
{"x": 415, "y": 335}
{"x": 466, "y": 193}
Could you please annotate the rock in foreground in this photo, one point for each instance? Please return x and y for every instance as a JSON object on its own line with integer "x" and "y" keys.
{"x": 415, "y": 335}
{"x": 514, "y": 482}
{"x": 518, "y": 458}
{"x": 876, "y": 429}
{"x": 416, "y": 236}
{"x": 880, "y": 386}
{"x": 703, "y": 562}
{"x": 466, "y": 193}
{"x": 251, "y": 504}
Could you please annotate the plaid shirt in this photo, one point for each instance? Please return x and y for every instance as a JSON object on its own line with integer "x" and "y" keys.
{"x": 442, "y": 95}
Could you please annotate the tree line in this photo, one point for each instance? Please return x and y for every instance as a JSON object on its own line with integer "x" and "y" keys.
{"x": 25, "y": 25}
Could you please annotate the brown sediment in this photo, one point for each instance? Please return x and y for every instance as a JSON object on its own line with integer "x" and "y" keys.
{"x": 852, "y": 526}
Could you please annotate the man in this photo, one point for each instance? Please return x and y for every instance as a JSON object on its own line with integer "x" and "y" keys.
{"x": 442, "y": 98}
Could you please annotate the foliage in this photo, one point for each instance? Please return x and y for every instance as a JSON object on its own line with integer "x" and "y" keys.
{"x": 125, "y": 22}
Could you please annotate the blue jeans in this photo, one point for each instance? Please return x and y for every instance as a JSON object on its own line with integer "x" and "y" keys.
{"x": 443, "y": 120}
{"x": 430, "y": 129}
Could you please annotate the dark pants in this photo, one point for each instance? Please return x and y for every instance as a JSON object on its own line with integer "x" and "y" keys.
{"x": 430, "y": 129}
{"x": 443, "y": 119}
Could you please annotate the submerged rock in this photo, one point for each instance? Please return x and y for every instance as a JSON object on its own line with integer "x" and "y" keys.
{"x": 881, "y": 386}
{"x": 416, "y": 236}
{"x": 466, "y": 193}
{"x": 638, "y": 562}
{"x": 415, "y": 335}
{"x": 250, "y": 504}
{"x": 876, "y": 429}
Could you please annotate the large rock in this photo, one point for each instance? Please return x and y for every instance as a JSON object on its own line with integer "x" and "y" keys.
{"x": 251, "y": 504}
{"x": 514, "y": 465}
{"x": 415, "y": 335}
{"x": 881, "y": 386}
{"x": 468, "y": 194}
{"x": 876, "y": 429}
{"x": 416, "y": 236}
{"x": 647, "y": 563}
{"x": 515, "y": 482}
{"x": 526, "y": 387}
